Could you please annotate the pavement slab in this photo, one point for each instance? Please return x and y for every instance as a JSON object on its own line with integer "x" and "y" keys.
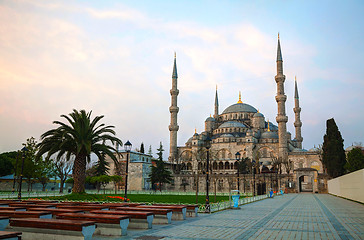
{"x": 289, "y": 216}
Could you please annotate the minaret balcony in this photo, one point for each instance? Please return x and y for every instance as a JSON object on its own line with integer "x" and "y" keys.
{"x": 298, "y": 124}
{"x": 281, "y": 98}
{"x": 281, "y": 118}
{"x": 297, "y": 110}
{"x": 280, "y": 77}
{"x": 173, "y": 127}
{"x": 173, "y": 109}
{"x": 174, "y": 92}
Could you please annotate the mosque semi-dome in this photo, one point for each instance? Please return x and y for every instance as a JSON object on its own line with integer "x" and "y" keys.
{"x": 269, "y": 134}
{"x": 240, "y": 107}
{"x": 258, "y": 114}
{"x": 210, "y": 119}
{"x": 231, "y": 124}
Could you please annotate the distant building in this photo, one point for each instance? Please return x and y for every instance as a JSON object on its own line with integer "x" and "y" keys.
{"x": 138, "y": 168}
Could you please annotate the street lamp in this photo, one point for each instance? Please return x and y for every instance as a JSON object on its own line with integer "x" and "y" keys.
{"x": 127, "y": 147}
{"x": 253, "y": 170}
{"x": 207, "y": 203}
{"x": 237, "y": 158}
{"x": 24, "y": 149}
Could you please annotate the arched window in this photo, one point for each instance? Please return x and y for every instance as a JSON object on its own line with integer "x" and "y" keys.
{"x": 227, "y": 165}
{"x": 221, "y": 165}
{"x": 199, "y": 166}
{"x": 214, "y": 166}
{"x": 189, "y": 166}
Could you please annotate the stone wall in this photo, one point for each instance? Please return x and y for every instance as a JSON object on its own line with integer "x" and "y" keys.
{"x": 350, "y": 186}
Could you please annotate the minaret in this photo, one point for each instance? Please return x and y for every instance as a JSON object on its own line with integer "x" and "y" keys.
{"x": 297, "y": 115}
{"x": 281, "y": 102}
{"x": 173, "y": 127}
{"x": 216, "y": 114}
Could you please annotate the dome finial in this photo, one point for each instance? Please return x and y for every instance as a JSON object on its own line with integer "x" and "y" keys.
{"x": 240, "y": 98}
{"x": 268, "y": 126}
{"x": 195, "y": 130}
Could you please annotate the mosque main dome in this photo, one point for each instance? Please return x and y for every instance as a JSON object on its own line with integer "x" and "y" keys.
{"x": 240, "y": 107}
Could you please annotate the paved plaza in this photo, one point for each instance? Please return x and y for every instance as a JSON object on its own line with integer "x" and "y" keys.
{"x": 291, "y": 216}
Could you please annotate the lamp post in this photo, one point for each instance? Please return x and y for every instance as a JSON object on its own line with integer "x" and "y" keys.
{"x": 207, "y": 203}
{"x": 127, "y": 147}
{"x": 253, "y": 170}
{"x": 24, "y": 149}
{"x": 237, "y": 158}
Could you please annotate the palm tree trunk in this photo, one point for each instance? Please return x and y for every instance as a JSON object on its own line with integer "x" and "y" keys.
{"x": 79, "y": 174}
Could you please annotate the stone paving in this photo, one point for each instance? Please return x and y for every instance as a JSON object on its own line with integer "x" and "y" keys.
{"x": 291, "y": 216}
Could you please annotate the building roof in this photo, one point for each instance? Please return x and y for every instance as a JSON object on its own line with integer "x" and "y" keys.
{"x": 231, "y": 124}
{"x": 239, "y": 107}
{"x": 210, "y": 119}
{"x": 269, "y": 134}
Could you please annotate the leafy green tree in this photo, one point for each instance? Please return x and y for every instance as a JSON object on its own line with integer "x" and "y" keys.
{"x": 101, "y": 181}
{"x": 150, "y": 150}
{"x": 63, "y": 168}
{"x": 79, "y": 138}
{"x": 159, "y": 174}
{"x": 116, "y": 179}
{"x": 142, "y": 148}
{"x": 44, "y": 170}
{"x": 333, "y": 153}
{"x": 102, "y": 167}
{"x": 7, "y": 163}
{"x": 355, "y": 160}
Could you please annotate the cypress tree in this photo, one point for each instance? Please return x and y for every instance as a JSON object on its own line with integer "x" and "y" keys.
{"x": 142, "y": 148}
{"x": 333, "y": 156}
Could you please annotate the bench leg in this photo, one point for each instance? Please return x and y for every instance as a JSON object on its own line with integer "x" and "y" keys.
{"x": 47, "y": 216}
{"x": 150, "y": 220}
{"x": 184, "y": 210}
{"x": 3, "y": 224}
{"x": 169, "y": 217}
{"x": 124, "y": 223}
{"x": 88, "y": 231}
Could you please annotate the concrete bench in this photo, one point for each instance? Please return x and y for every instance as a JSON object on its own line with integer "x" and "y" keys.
{"x": 138, "y": 220}
{"x": 13, "y": 208}
{"x": 84, "y": 208}
{"x": 179, "y": 212}
{"x": 124, "y": 204}
{"x": 109, "y": 225}
{"x": 53, "y": 229}
{"x": 4, "y": 222}
{"x": 161, "y": 216}
{"x": 56, "y": 211}
{"x": 10, "y": 235}
{"x": 26, "y": 214}
{"x": 30, "y": 205}
{"x": 192, "y": 209}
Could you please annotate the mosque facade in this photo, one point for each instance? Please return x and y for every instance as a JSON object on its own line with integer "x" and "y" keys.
{"x": 240, "y": 137}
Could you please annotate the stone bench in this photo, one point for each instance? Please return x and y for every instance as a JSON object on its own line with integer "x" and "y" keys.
{"x": 30, "y": 205}
{"x": 124, "y": 204}
{"x": 56, "y": 211}
{"x": 86, "y": 209}
{"x": 192, "y": 209}
{"x": 138, "y": 220}
{"x": 10, "y": 235}
{"x": 109, "y": 225}
{"x": 13, "y": 208}
{"x": 52, "y": 229}
{"x": 26, "y": 214}
{"x": 179, "y": 212}
{"x": 161, "y": 216}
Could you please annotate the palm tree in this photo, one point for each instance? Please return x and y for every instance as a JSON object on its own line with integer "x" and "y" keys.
{"x": 79, "y": 138}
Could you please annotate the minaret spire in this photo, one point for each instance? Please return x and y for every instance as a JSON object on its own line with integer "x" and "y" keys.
{"x": 281, "y": 103}
{"x": 216, "y": 114}
{"x": 297, "y": 114}
{"x": 173, "y": 109}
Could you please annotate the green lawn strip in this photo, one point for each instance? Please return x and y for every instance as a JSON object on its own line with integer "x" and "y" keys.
{"x": 147, "y": 198}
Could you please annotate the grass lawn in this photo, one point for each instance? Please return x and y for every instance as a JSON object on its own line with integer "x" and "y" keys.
{"x": 150, "y": 198}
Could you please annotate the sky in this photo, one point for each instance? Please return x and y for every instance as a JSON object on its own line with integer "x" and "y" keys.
{"x": 116, "y": 57}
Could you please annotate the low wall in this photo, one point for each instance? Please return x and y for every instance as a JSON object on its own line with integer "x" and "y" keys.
{"x": 350, "y": 186}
